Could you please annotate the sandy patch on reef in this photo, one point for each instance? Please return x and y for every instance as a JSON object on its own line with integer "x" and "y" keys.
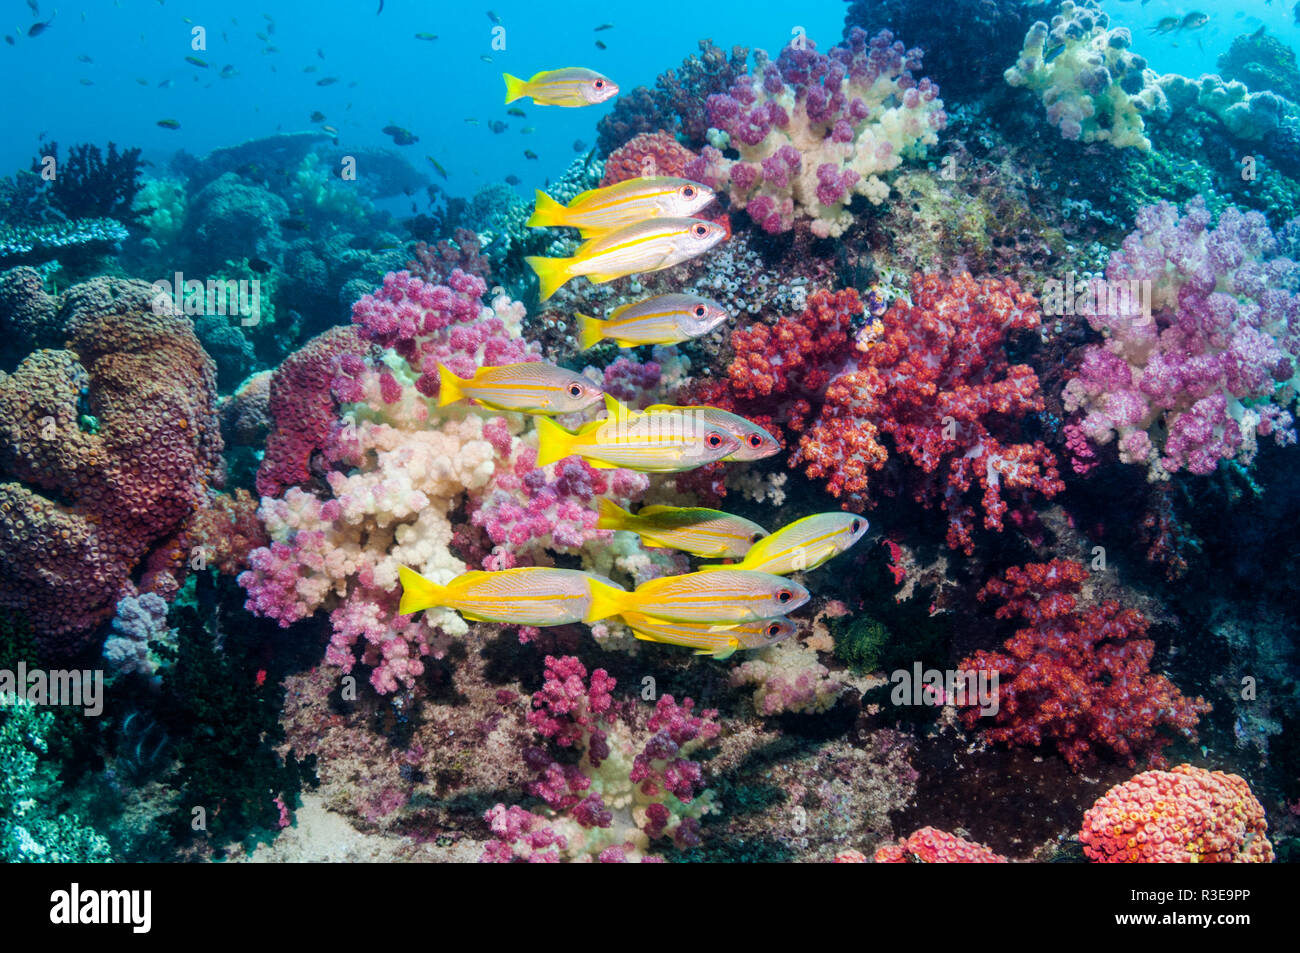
{"x": 322, "y": 836}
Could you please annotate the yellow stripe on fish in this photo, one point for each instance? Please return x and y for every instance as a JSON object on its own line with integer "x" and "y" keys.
{"x": 804, "y": 544}
{"x": 755, "y": 442}
{"x": 650, "y": 245}
{"x": 692, "y": 529}
{"x": 708, "y": 638}
{"x": 597, "y": 211}
{"x": 663, "y": 319}
{"x": 570, "y": 86}
{"x": 533, "y": 387}
{"x": 720, "y": 597}
{"x": 525, "y": 595}
{"x": 662, "y": 442}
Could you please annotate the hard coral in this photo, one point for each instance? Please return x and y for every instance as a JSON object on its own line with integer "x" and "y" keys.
{"x": 814, "y": 130}
{"x": 107, "y": 449}
{"x": 1184, "y": 816}
{"x": 650, "y": 153}
{"x": 1079, "y": 679}
{"x": 930, "y": 845}
{"x": 303, "y": 408}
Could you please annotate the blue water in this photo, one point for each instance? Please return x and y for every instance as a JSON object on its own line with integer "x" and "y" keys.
{"x": 385, "y": 74}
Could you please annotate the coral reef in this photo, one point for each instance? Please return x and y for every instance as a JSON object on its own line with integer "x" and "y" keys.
{"x": 676, "y": 104}
{"x": 1263, "y": 63}
{"x": 1094, "y": 89}
{"x": 107, "y": 449}
{"x": 35, "y": 827}
{"x": 406, "y": 465}
{"x": 89, "y": 183}
{"x": 932, "y": 846}
{"x": 928, "y": 383}
{"x": 1078, "y": 679}
{"x": 1186, "y": 815}
{"x": 966, "y": 42}
{"x": 649, "y": 153}
{"x": 814, "y": 130}
{"x": 139, "y": 621}
{"x": 1200, "y": 352}
{"x": 631, "y": 785}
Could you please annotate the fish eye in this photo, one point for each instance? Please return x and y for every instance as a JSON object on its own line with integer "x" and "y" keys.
{"x": 774, "y": 628}
{"x": 755, "y": 537}
{"x": 599, "y": 84}
{"x": 755, "y": 441}
{"x": 700, "y": 231}
{"x": 700, "y": 311}
{"x": 575, "y": 390}
{"x": 688, "y": 191}
{"x": 857, "y": 524}
{"x": 714, "y": 440}
{"x": 784, "y": 596}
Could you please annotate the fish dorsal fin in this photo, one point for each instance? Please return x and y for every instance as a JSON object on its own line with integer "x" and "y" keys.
{"x": 581, "y": 197}
{"x": 621, "y": 310}
{"x": 616, "y": 408}
{"x": 657, "y": 508}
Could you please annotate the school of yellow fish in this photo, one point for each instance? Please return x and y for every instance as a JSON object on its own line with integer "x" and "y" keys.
{"x": 639, "y": 225}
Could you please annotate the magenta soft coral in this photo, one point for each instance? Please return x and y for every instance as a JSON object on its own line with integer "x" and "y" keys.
{"x": 1212, "y": 366}
{"x": 622, "y": 792}
{"x": 1078, "y": 679}
{"x": 430, "y": 324}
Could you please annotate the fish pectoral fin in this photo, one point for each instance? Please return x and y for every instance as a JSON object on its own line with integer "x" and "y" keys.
{"x": 721, "y": 655}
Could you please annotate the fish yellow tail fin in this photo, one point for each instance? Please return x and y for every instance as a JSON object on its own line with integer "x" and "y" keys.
{"x": 606, "y": 601}
{"x": 546, "y": 212}
{"x": 591, "y": 331}
{"x": 449, "y": 390}
{"x": 417, "y": 592}
{"x": 553, "y": 441}
{"x": 516, "y": 88}
{"x": 552, "y": 273}
{"x": 612, "y": 516}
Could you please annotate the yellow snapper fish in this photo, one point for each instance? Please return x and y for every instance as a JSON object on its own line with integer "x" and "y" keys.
{"x": 651, "y": 245}
{"x": 532, "y": 387}
{"x": 663, "y": 319}
{"x": 666, "y": 442}
{"x": 708, "y": 638}
{"x": 724, "y": 598}
{"x": 571, "y": 86}
{"x": 525, "y": 595}
{"x": 692, "y": 529}
{"x": 755, "y": 442}
{"x": 804, "y": 544}
{"x": 597, "y": 211}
